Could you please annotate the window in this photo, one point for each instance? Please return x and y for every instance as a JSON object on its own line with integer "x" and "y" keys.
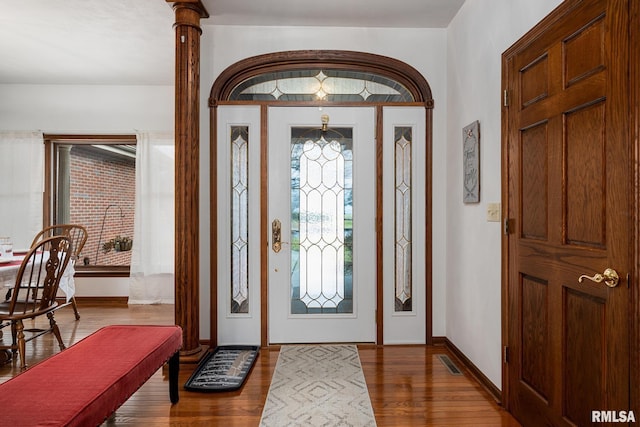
{"x": 239, "y": 219}
{"x": 90, "y": 180}
{"x": 328, "y": 85}
{"x": 403, "y": 135}
{"x": 321, "y": 220}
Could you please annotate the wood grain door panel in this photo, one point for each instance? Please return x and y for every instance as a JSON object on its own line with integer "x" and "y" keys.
{"x": 568, "y": 174}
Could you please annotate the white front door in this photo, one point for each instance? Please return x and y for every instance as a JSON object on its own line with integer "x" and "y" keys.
{"x": 322, "y": 274}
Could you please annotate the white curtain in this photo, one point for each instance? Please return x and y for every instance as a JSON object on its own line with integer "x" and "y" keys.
{"x": 21, "y": 186}
{"x": 152, "y": 257}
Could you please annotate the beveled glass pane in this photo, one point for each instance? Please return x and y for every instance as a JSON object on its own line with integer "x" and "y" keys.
{"x": 321, "y": 222}
{"x": 299, "y": 85}
{"x": 338, "y": 85}
{"x": 403, "y": 286}
{"x": 239, "y": 219}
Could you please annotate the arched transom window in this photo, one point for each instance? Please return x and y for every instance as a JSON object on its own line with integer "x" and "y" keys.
{"x": 321, "y": 84}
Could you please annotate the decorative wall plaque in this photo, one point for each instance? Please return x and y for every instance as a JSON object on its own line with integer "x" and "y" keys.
{"x": 471, "y": 162}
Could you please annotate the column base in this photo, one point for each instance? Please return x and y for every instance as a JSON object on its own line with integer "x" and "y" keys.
{"x": 195, "y": 355}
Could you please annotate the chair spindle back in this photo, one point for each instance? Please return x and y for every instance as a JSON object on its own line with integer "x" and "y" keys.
{"x": 75, "y": 232}
{"x": 39, "y": 275}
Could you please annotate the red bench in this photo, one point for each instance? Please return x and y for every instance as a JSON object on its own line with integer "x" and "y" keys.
{"x": 84, "y": 384}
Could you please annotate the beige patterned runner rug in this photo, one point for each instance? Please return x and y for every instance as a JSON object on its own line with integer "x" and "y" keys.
{"x": 318, "y": 385}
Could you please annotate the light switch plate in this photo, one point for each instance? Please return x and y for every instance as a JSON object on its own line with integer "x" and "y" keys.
{"x": 493, "y": 212}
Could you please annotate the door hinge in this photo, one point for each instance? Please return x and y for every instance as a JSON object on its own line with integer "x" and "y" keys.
{"x": 505, "y": 354}
{"x": 505, "y": 98}
{"x": 507, "y": 226}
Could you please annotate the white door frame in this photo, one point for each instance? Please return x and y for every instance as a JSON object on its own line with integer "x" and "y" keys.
{"x": 221, "y": 95}
{"x": 249, "y": 328}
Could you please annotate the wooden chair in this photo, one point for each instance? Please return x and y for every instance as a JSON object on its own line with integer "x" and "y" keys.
{"x": 78, "y": 235}
{"x": 34, "y": 293}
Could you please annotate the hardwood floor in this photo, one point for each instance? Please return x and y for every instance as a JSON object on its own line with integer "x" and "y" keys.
{"x": 408, "y": 385}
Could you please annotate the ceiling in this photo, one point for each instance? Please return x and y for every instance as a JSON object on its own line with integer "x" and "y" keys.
{"x": 125, "y": 42}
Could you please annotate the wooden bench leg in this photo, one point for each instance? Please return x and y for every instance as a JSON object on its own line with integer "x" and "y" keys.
{"x": 174, "y": 369}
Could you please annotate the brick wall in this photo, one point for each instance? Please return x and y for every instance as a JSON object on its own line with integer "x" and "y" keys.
{"x": 102, "y": 191}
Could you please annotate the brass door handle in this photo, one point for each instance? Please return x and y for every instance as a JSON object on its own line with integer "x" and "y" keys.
{"x": 276, "y": 236}
{"x": 609, "y": 277}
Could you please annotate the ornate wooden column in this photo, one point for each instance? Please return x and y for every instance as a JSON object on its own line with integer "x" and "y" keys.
{"x": 187, "y": 138}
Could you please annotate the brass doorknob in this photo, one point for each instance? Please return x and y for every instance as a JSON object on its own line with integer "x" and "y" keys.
{"x": 609, "y": 277}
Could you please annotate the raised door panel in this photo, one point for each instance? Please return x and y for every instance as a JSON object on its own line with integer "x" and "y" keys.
{"x": 590, "y": 38}
{"x": 584, "y": 363}
{"x": 585, "y": 176}
{"x": 535, "y": 336}
{"x": 534, "y": 81}
{"x": 534, "y": 165}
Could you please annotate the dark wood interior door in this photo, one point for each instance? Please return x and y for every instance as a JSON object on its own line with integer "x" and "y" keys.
{"x": 569, "y": 176}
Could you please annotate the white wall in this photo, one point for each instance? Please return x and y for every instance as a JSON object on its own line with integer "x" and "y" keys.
{"x": 476, "y": 38}
{"x": 424, "y": 49}
{"x": 88, "y": 109}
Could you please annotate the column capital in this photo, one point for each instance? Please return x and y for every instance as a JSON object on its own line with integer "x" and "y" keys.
{"x": 189, "y": 6}
{"x": 189, "y": 13}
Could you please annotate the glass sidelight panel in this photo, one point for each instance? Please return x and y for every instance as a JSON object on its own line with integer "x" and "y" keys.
{"x": 403, "y": 284}
{"x": 239, "y": 219}
{"x": 321, "y": 221}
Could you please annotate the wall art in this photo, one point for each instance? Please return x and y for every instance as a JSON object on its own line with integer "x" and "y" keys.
{"x": 471, "y": 162}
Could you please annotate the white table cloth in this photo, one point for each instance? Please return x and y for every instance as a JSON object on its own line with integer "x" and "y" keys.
{"x": 9, "y": 271}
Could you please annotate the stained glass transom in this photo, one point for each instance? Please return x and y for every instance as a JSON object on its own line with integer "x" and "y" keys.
{"x": 321, "y": 221}
{"x": 239, "y": 219}
{"x": 403, "y": 285}
{"x": 326, "y": 85}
